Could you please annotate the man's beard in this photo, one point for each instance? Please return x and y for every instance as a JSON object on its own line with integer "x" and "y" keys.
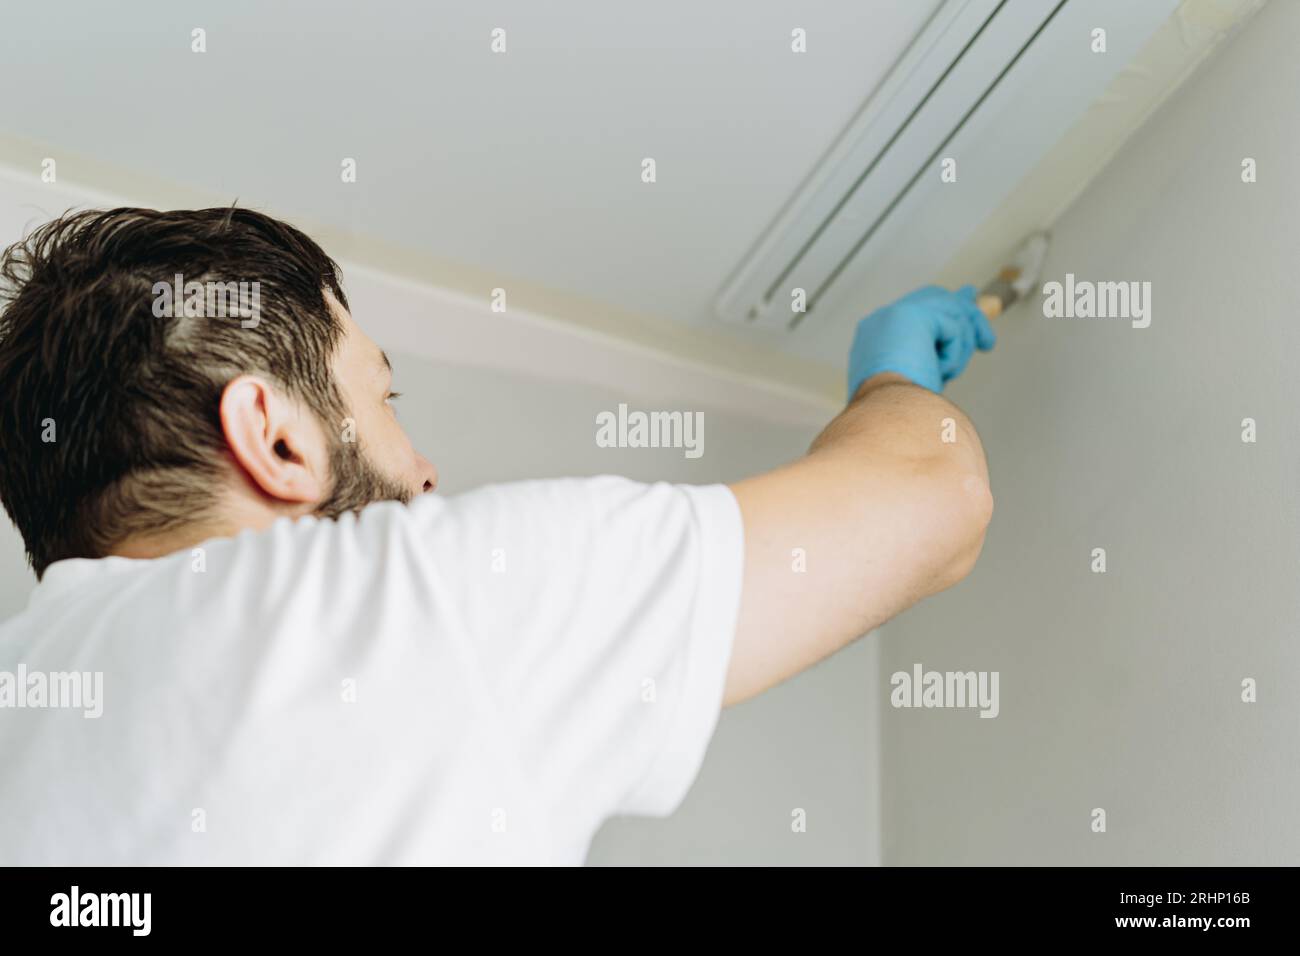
{"x": 357, "y": 482}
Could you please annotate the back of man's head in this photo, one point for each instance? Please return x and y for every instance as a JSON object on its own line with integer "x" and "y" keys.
{"x": 110, "y": 389}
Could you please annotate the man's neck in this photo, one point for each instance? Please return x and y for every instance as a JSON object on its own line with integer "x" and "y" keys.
{"x": 238, "y": 514}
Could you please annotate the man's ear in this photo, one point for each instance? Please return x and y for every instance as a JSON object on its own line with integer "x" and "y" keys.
{"x": 277, "y": 443}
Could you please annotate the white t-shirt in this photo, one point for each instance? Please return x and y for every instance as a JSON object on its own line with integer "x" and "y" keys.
{"x": 469, "y": 680}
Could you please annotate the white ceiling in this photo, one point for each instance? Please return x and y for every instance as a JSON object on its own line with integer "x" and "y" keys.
{"x": 520, "y": 170}
{"x": 527, "y": 164}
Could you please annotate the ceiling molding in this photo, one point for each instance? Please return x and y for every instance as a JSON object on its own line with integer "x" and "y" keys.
{"x": 424, "y": 309}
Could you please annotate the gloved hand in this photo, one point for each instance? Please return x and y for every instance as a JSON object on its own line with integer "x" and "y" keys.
{"x": 927, "y": 336}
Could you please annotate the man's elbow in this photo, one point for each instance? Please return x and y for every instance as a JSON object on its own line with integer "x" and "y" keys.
{"x": 971, "y": 510}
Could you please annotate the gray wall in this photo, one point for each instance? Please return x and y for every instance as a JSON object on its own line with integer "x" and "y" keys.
{"x": 811, "y": 744}
{"x": 1122, "y": 690}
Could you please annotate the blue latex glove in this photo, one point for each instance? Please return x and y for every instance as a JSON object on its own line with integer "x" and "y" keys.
{"x": 927, "y": 336}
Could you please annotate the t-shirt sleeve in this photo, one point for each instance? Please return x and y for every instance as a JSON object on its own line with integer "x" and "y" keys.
{"x": 601, "y": 614}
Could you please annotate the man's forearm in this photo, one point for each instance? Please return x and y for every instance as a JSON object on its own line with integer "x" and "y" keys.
{"x": 888, "y": 506}
{"x": 890, "y": 412}
{"x": 894, "y": 424}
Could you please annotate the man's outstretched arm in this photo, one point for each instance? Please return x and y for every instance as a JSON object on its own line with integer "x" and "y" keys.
{"x": 889, "y": 505}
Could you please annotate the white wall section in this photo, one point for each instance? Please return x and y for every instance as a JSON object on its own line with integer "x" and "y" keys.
{"x": 1123, "y": 690}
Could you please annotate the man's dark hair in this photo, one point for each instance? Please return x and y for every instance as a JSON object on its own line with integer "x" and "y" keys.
{"x": 109, "y": 423}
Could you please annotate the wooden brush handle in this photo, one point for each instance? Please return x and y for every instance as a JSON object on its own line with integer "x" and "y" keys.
{"x": 995, "y": 297}
{"x": 990, "y": 304}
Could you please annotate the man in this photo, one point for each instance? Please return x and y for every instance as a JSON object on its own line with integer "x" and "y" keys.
{"x": 299, "y": 655}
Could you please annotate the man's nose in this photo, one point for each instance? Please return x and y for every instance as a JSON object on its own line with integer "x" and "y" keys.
{"x": 428, "y": 472}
